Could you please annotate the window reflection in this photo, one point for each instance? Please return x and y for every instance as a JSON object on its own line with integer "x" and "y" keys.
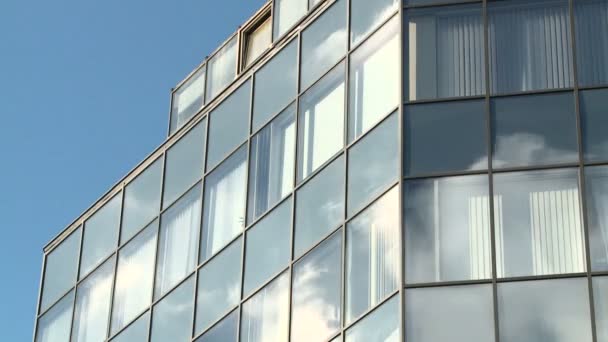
{"x": 591, "y": 41}
{"x": 221, "y": 69}
{"x": 224, "y": 331}
{"x": 596, "y": 181}
{"x": 382, "y": 325}
{"x": 188, "y": 99}
{"x": 600, "y": 297}
{"x": 594, "y": 120}
{"x": 60, "y": 270}
{"x": 286, "y": 14}
{"x": 136, "y": 332}
{"x": 366, "y": 15}
{"x": 54, "y": 325}
{"x": 172, "y": 317}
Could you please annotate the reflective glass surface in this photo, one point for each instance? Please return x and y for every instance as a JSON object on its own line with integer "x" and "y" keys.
{"x": 372, "y": 256}
{"x": 229, "y": 125}
{"x": 316, "y": 292}
{"x": 455, "y": 313}
{"x": 172, "y": 317}
{"x": 224, "y": 331}
{"x": 382, "y": 325}
{"x": 271, "y": 164}
{"x": 374, "y": 83}
{"x": 319, "y": 206}
{"x": 324, "y": 42}
{"x": 265, "y": 316}
{"x": 534, "y": 130}
{"x": 262, "y": 258}
{"x": 258, "y": 41}
{"x": 600, "y": 297}
{"x": 276, "y": 84}
{"x": 221, "y": 69}
{"x": 225, "y": 196}
{"x": 219, "y": 286}
{"x": 136, "y": 332}
{"x": 142, "y": 200}
{"x": 596, "y": 181}
{"x": 321, "y": 122}
{"x": 188, "y": 99}
{"x": 537, "y": 222}
{"x": 184, "y": 164}
{"x": 591, "y": 20}
{"x": 373, "y": 164}
{"x": 447, "y": 229}
{"x": 61, "y": 269}
{"x": 544, "y": 311}
{"x": 54, "y": 325}
{"x": 100, "y": 235}
{"x": 594, "y": 120}
{"x": 367, "y": 15}
{"x": 286, "y": 14}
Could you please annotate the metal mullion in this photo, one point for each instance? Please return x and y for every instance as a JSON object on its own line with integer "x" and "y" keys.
{"x": 370, "y": 129}
{"x": 172, "y": 95}
{"x": 322, "y": 76}
{"x": 599, "y": 273}
{"x": 115, "y": 271}
{"x": 369, "y": 311}
{"x": 443, "y": 100}
{"x": 441, "y": 4}
{"x": 431, "y": 175}
{"x": 218, "y": 252}
{"x": 122, "y": 245}
{"x": 318, "y": 170}
{"x": 542, "y": 277}
{"x": 39, "y": 300}
{"x": 401, "y": 151}
{"x": 309, "y": 250}
{"x": 596, "y": 163}
{"x": 373, "y": 201}
{"x": 230, "y": 154}
{"x": 267, "y": 212}
{"x": 488, "y": 281}
{"x": 592, "y": 87}
{"x": 267, "y": 123}
{"x": 380, "y": 26}
{"x": 536, "y": 167}
{"x": 215, "y": 323}
{"x": 135, "y": 319}
{"x": 180, "y": 197}
{"x": 533, "y": 92}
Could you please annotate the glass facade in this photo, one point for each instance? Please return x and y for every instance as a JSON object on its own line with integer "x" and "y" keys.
{"x": 356, "y": 170}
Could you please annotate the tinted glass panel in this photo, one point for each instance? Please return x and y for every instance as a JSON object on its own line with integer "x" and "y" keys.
{"x": 61, "y": 269}
{"x": 441, "y": 137}
{"x": 100, "y": 235}
{"x": 264, "y": 259}
{"x": 172, "y": 317}
{"x": 373, "y": 164}
{"x": 591, "y": 21}
{"x": 265, "y": 316}
{"x": 321, "y": 125}
{"x": 142, "y": 200}
{"x": 537, "y": 222}
{"x": 323, "y": 43}
{"x": 447, "y": 229}
{"x": 276, "y": 84}
{"x": 600, "y": 296}
{"x": 92, "y": 310}
{"x": 456, "y": 313}
{"x": 184, "y": 164}
{"x": 596, "y": 181}
{"x": 133, "y": 289}
{"x": 178, "y": 241}
{"x": 319, "y": 206}
{"x": 374, "y": 84}
{"x": 446, "y": 51}
{"x": 224, "y": 331}
{"x": 530, "y": 45}
{"x": 382, "y": 325}
{"x": 272, "y": 160}
{"x": 221, "y": 69}
{"x": 544, "y": 310}
{"x": 225, "y": 195}
{"x": 522, "y": 134}
{"x": 219, "y": 286}
{"x": 188, "y": 99}
{"x": 136, "y": 332}
{"x": 594, "y": 119}
{"x": 317, "y": 292}
{"x": 258, "y": 41}
{"x": 286, "y": 14}
{"x": 229, "y": 125}
{"x": 54, "y": 326}
{"x": 367, "y": 15}
{"x": 372, "y": 256}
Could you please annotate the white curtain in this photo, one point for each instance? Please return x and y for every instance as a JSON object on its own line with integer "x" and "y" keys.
{"x": 592, "y": 41}
{"x": 93, "y": 305}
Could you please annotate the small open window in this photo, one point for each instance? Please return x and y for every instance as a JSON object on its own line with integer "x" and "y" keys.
{"x": 256, "y": 38}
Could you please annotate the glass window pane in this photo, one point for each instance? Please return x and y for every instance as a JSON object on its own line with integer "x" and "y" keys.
{"x": 316, "y": 298}
{"x": 544, "y": 310}
{"x": 258, "y": 41}
{"x": 538, "y": 226}
{"x": 372, "y": 255}
{"x": 136, "y": 332}
{"x": 596, "y": 181}
{"x": 221, "y": 69}
{"x": 172, "y": 317}
{"x": 184, "y": 164}
{"x": 522, "y": 137}
{"x": 286, "y": 14}
{"x": 188, "y": 99}
{"x": 374, "y": 82}
{"x": 92, "y": 311}
{"x": 265, "y": 316}
{"x": 373, "y": 164}
{"x": 429, "y": 2}
{"x": 447, "y": 229}
{"x": 225, "y": 196}
{"x": 54, "y": 326}
{"x": 229, "y": 125}
{"x": 319, "y": 206}
{"x": 446, "y": 52}
{"x": 591, "y": 41}
{"x": 224, "y": 331}
{"x": 100, "y": 235}
{"x": 382, "y": 325}
{"x": 441, "y": 137}
{"x": 594, "y": 120}
{"x": 321, "y": 125}
{"x": 600, "y": 296}
{"x": 455, "y": 313}
{"x": 366, "y": 15}
{"x": 179, "y": 231}
{"x": 264, "y": 259}
{"x": 142, "y": 200}
{"x": 219, "y": 286}
{"x": 323, "y": 43}
{"x": 272, "y": 160}
{"x": 60, "y": 270}
{"x": 530, "y": 45}
{"x": 134, "y": 276}
{"x": 275, "y": 85}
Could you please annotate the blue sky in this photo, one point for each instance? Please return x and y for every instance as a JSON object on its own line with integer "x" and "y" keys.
{"x": 84, "y": 97}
